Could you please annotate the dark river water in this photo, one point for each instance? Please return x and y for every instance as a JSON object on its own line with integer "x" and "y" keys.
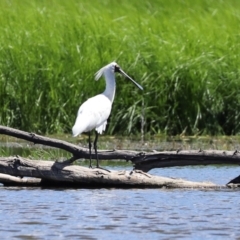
{"x": 36, "y": 213}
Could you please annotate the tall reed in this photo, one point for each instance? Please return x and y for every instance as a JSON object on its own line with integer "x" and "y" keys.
{"x": 186, "y": 55}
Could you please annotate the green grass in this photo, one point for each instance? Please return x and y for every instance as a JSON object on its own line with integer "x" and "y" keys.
{"x": 186, "y": 56}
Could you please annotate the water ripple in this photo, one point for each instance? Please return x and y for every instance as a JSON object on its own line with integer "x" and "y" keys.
{"x": 35, "y": 213}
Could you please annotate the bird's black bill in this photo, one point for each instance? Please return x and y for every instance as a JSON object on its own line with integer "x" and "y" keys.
{"x": 124, "y": 74}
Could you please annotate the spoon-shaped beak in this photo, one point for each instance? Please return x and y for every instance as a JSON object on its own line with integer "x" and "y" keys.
{"x": 124, "y": 74}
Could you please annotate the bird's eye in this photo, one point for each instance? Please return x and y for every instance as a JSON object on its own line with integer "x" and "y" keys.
{"x": 116, "y": 68}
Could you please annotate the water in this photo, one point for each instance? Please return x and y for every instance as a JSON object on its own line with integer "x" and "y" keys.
{"x": 36, "y": 213}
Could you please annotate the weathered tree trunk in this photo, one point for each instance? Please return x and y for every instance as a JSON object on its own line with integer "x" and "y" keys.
{"x": 63, "y": 173}
{"x": 60, "y": 174}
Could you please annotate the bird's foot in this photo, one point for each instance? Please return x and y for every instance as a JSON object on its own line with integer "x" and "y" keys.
{"x": 103, "y": 168}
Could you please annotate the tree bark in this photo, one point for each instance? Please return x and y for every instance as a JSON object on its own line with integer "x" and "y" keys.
{"x": 10, "y": 180}
{"x": 60, "y": 174}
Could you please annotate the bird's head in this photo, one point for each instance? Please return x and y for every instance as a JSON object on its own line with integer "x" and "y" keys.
{"x": 110, "y": 68}
{"x": 113, "y": 67}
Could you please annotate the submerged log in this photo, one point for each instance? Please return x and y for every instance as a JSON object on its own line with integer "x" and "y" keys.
{"x": 234, "y": 183}
{"x": 60, "y": 174}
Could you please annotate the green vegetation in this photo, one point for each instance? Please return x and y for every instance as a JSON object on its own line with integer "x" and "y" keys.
{"x": 184, "y": 53}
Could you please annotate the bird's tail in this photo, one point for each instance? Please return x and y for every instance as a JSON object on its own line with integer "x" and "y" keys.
{"x": 77, "y": 128}
{"x": 81, "y": 125}
{"x": 75, "y": 131}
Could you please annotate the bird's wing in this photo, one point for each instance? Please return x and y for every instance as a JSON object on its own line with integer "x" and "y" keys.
{"x": 93, "y": 114}
{"x": 102, "y": 127}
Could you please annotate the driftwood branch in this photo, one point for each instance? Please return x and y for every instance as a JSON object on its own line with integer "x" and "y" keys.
{"x": 144, "y": 161}
{"x": 185, "y": 158}
{"x": 77, "y": 151}
{"x": 54, "y": 173}
{"x": 17, "y": 170}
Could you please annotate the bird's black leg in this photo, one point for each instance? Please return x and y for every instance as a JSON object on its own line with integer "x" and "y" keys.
{"x": 95, "y": 148}
{"x": 90, "y": 149}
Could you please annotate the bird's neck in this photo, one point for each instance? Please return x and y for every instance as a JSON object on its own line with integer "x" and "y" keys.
{"x": 110, "y": 86}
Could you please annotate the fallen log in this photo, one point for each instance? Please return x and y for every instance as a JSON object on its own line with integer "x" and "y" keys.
{"x": 45, "y": 173}
{"x": 185, "y": 158}
{"x": 60, "y": 174}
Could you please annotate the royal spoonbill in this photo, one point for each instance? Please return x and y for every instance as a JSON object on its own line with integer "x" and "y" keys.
{"x": 95, "y": 111}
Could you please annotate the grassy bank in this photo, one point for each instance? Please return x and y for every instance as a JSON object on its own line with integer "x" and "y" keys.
{"x": 186, "y": 55}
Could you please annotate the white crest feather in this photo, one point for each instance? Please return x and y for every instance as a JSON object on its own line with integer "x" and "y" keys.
{"x": 100, "y": 72}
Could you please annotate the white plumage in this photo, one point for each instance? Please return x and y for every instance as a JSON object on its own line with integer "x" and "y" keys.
{"x": 93, "y": 113}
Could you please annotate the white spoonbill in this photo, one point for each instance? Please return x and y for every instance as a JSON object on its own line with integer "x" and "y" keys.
{"x": 95, "y": 111}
